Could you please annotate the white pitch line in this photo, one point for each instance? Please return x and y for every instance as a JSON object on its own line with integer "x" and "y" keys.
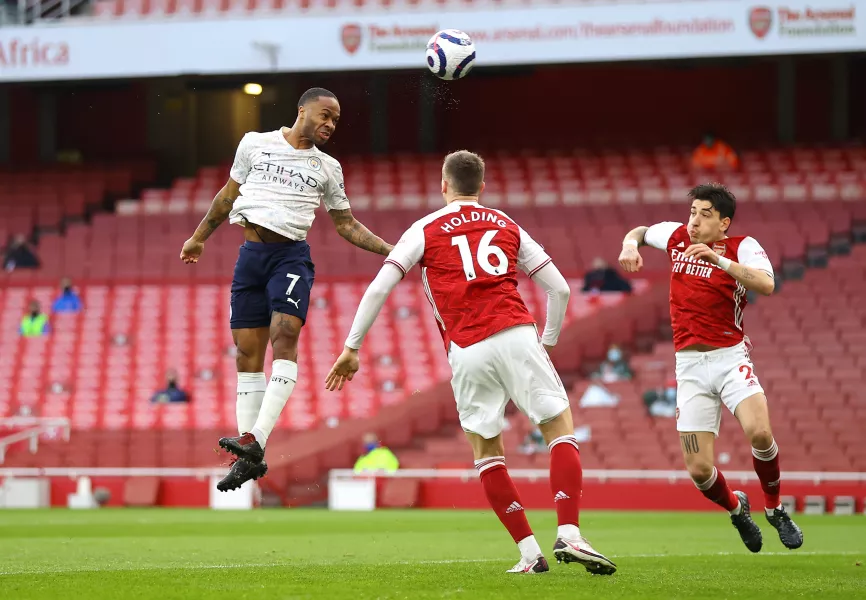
{"x": 288, "y": 563}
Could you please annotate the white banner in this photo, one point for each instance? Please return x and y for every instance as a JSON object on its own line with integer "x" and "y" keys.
{"x": 389, "y": 41}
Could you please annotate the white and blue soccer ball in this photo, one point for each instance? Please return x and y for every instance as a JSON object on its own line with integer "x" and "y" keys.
{"x": 450, "y": 54}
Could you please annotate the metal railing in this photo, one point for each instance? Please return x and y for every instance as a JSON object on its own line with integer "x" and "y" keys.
{"x": 29, "y": 430}
{"x": 601, "y": 475}
{"x": 31, "y": 11}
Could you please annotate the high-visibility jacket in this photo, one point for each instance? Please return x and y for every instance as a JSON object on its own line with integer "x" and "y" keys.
{"x": 378, "y": 459}
{"x": 33, "y": 326}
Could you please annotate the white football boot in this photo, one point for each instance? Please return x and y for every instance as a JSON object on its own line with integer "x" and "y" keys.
{"x": 530, "y": 566}
{"x": 580, "y": 551}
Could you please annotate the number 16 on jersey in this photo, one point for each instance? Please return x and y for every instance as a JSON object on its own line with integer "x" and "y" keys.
{"x": 485, "y": 251}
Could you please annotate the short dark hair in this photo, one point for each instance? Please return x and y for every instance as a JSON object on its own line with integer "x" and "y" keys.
{"x": 464, "y": 170}
{"x": 718, "y": 195}
{"x": 314, "y": 94}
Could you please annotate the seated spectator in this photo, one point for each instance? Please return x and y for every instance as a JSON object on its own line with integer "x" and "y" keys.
{"x": 377, "y": 457}
{"x": 714, "y": 155}
{"x": 604, "y": 278}
{"x": 533, "y": 443}
{"x": 614, "y": 368}
{"x": 171, "y": 393}
{"x": 34, "y": 323}
{"x": 19, "y": 255}
{"x": 68, "y": 301}
{"x": 662, "y": 402}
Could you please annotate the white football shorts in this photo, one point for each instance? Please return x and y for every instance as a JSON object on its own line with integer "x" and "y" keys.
{"x": 511, "y": 364}
{"x": 706, "y": 380}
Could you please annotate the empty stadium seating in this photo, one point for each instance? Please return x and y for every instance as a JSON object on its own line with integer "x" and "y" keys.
{"x": 43, "y": 197}
{"x": 84, "y": 373}
{"x": 625, "y": 178}
{"x": 597, "y": 195}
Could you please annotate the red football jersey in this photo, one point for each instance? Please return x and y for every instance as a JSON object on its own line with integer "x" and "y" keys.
{"x": 706, "y": 302}
{"x": 469, "y": 255}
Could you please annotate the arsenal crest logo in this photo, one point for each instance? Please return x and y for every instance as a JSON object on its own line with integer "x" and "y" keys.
{"x": 719, "y": 248}
{"x": 760, "y": 20}
{"x": 351, "y": 36}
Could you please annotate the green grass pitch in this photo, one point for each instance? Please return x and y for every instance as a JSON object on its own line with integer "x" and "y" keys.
{"x": 313, "y": 554}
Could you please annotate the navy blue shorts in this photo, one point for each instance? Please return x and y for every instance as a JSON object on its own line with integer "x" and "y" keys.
{"x": 271, "y": 278}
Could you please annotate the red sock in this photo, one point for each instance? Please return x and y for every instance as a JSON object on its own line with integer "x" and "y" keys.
{"x": 503, "y": 496}
{"x": 566, "y": 479}
{"x": 716, "y": 489}
{"x": 767, "y": 467}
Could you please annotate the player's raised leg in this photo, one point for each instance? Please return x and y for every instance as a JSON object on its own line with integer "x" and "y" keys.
{"x": 754, "y": 416}
{"x": 697, "y": 449}
{"x": 250, "y": 318}
{"x": 505, "y": 501}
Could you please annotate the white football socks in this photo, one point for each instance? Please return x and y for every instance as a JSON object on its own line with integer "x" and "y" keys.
{"x": 251, "y": 392}
{"x": 529, "y": 548}
{"x": 568, "y": 532}
{"x": 283, "y": 377}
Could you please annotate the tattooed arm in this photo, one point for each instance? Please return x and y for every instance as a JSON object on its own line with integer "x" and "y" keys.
{"x": 351, "y": 230}
{"x": 752, "y": 278}
{"x": 218, "y": 212}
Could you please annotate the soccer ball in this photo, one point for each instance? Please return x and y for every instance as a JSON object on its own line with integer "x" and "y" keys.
{"x": 450, "y": 54}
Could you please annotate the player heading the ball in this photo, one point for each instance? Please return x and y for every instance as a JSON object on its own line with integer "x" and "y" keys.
{"x": 277, "y": 182}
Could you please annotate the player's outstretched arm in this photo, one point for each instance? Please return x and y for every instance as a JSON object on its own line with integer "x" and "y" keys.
{"x": 354, "y": 232}
{"x": 371, "y": 304}
{"x": 558, "y": 293}
{"x": 217, "y": 213}
{"x": 750, "y": 278}
{"x": 630, "y": 258}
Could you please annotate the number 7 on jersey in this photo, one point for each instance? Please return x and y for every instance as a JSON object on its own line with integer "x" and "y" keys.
{"x": 485, "y": 251}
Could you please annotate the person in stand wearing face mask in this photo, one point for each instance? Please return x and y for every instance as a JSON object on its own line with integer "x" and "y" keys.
{"x": 34, "y": 323}
{"x": 68, "y": 301}
{"x": 662, "y": 401}
{"x": 377, "y": 457}
{"x": 615, "y": 368}
{"x": 171, "y": 393}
